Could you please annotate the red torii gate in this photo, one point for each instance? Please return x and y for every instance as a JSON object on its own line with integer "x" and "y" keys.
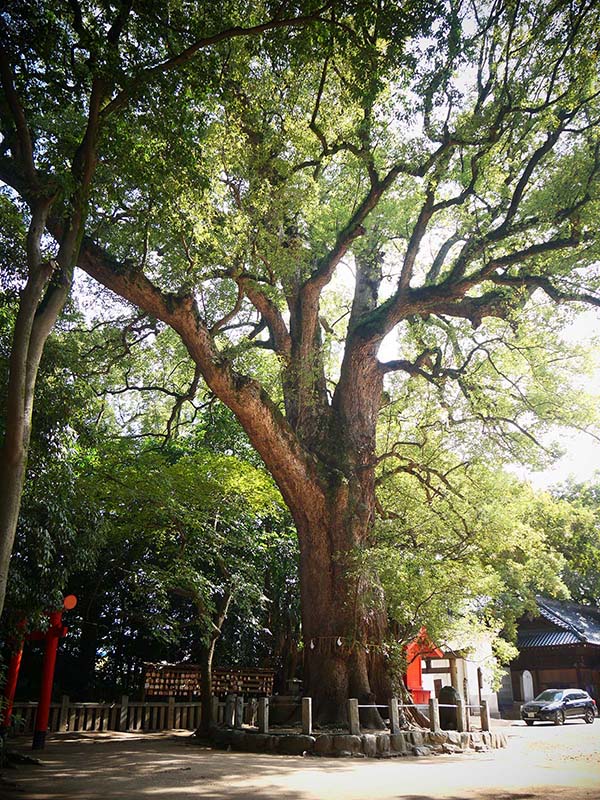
{"x": 55, "y": 631}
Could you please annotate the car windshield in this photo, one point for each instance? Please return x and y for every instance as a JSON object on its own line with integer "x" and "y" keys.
{"x": 550, "y": 695}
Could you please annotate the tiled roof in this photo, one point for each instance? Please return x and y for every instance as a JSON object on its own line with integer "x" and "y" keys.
{"x": 546, "y": 638}
{"x": 577, "y": 623}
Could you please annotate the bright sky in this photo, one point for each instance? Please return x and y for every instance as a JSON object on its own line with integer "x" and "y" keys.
{"x": 580, "y": 462}
{"x": 582, "y": 451}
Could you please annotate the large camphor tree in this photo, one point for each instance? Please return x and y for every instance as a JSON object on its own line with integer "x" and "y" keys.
{"x": 436, "y": 168}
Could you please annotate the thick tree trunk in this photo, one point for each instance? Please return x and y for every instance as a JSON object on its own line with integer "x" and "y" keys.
{"x": 344, "y": 620}
{"x": 344, "y": 626}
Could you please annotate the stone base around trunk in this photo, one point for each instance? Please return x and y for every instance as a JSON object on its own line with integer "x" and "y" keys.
{"x": 365, "y": 745}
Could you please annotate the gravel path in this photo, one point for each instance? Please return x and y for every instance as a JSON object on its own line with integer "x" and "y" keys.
{"x": 541, "y": 763}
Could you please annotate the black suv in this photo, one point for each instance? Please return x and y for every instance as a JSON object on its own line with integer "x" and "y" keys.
{"x": 557, "y": 705}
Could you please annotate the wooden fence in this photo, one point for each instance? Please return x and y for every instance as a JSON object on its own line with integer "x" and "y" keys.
{"x": 123, "y": 716}
{"x": 234, "y": 718}
{"x": 234, "y": 712}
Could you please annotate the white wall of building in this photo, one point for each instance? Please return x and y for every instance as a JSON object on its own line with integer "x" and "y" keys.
{"x": 479, "y": 660}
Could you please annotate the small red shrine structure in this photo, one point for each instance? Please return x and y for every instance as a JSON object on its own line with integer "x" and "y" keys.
{"x": 416, "y": 651}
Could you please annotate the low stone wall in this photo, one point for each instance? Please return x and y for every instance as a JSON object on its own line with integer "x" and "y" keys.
{"x": 366, "y": 745}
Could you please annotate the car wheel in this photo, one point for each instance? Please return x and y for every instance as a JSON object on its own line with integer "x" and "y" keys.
{"x": 589, "y": 716}
{"x": 559, "y": 718}
{"x": 529, "y": 722}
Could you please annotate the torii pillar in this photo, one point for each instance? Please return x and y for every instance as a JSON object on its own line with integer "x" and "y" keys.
{"x": 51, "y": 636}
{"x": 55, "y": 632}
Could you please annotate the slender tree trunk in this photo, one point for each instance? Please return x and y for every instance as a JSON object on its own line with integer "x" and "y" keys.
{"x": 205, "y": 663}
{"x": 45, "y": 292}
{"x": 88, "y": 649}
{"x": 32, "y": 329}
{"x": 34, "y": 322}
{"x": 206, "y": 654}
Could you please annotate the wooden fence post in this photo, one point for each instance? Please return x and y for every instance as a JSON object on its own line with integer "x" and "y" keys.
{"x": 434, "y": 715}
{"x": 239, "y": 711}
{"x": 454, "y": 674}
{"x": 307, "y": 716}
{"x": 485, "y": 716}
{"x": 353, "y": 719}
{"x": 214, "y": 709}
{"x": 230, "y": 710}
{"x": 124, "y": 709}
{"x": 394, "y": 716}
{"x": 460, "y": 714}
{"x": 263, "y": 714}
{"x": 72, "y": 719}
{"x": 171, "y": 714}
{"x": 64, "y": 713}
{"x": 250, "y": 712}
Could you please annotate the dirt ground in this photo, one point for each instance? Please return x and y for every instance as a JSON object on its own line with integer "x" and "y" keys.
{"x": 541, "y": 763}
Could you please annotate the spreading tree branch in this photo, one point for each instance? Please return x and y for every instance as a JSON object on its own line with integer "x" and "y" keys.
{"x": 185, "y": 56}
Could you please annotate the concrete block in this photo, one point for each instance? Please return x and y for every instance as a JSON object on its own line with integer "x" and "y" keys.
{"x": 369, "y": 744}
{"x": 421, "y": 751}
{"x": 324, "y": 744}
{"x": 260, "y": 741}
{"x": 296, "y": 745}
{"x": 465, "y": 741}
{"x": 399, "y": 742}
{"x": 417, "y": 738}
{"x": 349, "y": 742}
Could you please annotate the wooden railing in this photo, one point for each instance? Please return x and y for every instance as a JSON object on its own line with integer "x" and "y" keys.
{"x": 234, "y": 712}
{"x": 123, "y": 716}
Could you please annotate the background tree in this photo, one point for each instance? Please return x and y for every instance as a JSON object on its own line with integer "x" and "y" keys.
{"x": 45, "y": 274}
{"x": 463, "y": 560}
{"x": 158, "y": 536}
{"x": 67, "y": 70}
{"x": 570, "y": 521}
{"x": 200, "y": 528}
{"x": 454, "y": 203}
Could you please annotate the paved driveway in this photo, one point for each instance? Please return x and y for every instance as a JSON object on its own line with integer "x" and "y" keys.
{"x": 542, "y": 762}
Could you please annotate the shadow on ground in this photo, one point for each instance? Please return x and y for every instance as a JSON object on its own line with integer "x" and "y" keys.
{"x": 166, "y": 767}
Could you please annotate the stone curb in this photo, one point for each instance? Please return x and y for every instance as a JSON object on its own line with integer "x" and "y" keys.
{"x": 367, "y": 745}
